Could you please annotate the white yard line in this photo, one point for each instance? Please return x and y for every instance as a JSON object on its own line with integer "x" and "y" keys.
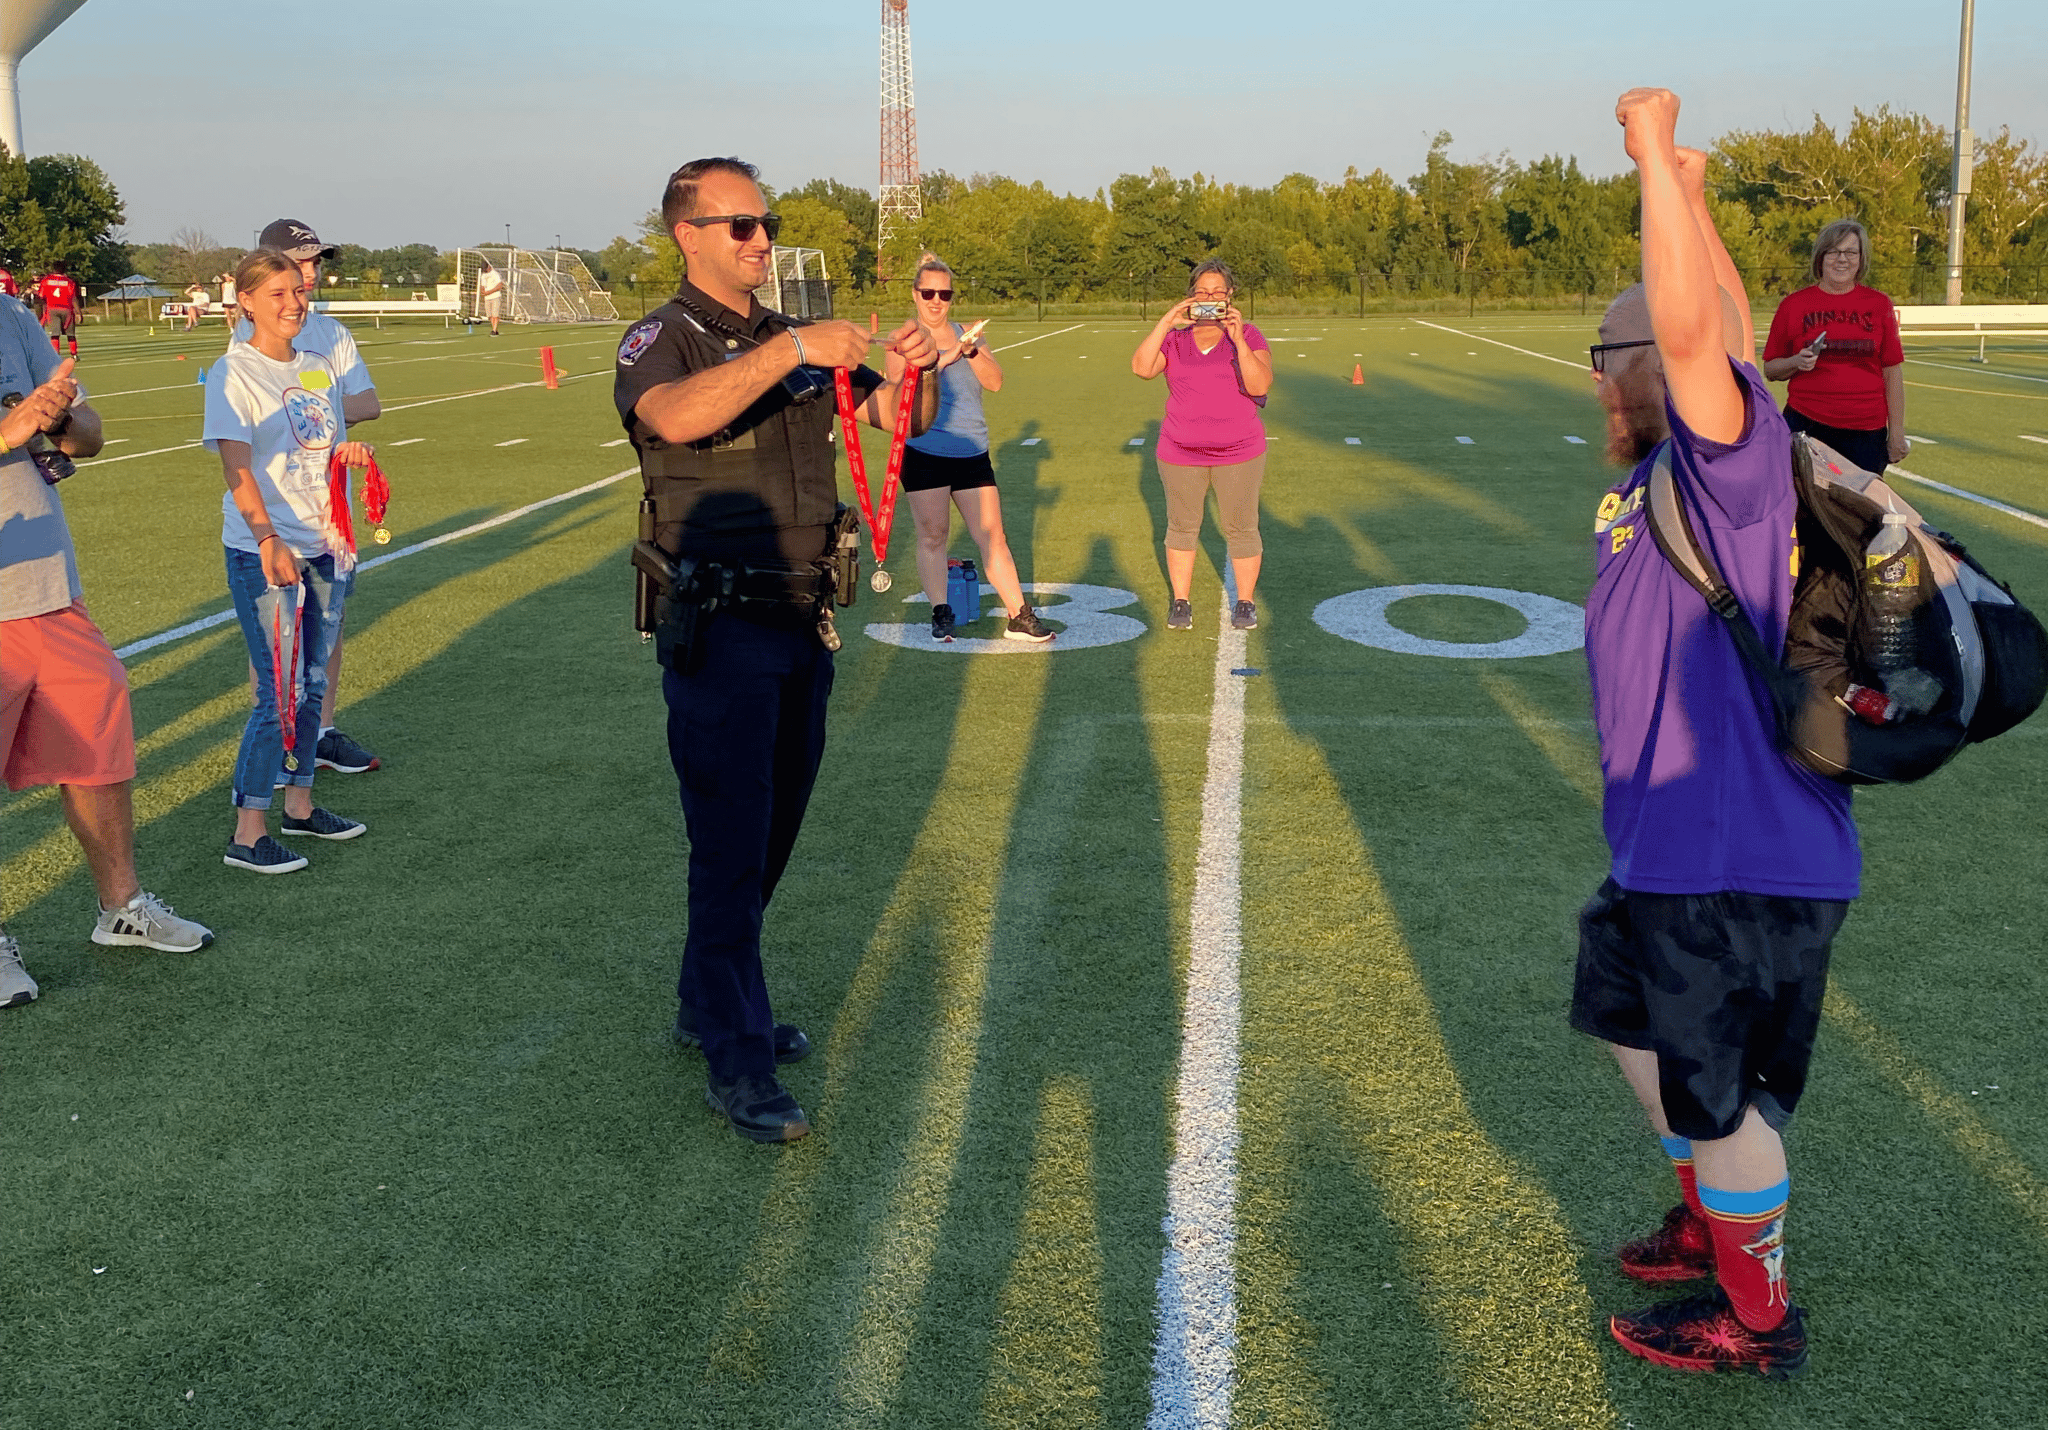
{"x": 2042, "y": 440}
{"x": 1195, "y": 1358}
{"x": 1039, "y": 339}
{"x": 221, "y": 618}
{"x": 1980, "y": 371}
{"x": 2028, "y": 516}
{"x": 513, "y": 443}
{"x": 131, "y": 456}
{"x": 1482, "y": 338}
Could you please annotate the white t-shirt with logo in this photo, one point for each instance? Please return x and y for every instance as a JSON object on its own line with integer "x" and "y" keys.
{"x": 290, "y": 415}
{"x": 327, "y": 337}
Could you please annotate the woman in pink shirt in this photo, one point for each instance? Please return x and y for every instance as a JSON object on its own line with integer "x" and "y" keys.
{"x": 1218, "y": 372}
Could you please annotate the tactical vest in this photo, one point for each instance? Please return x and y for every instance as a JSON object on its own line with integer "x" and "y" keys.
{"x": 771, "y": 470}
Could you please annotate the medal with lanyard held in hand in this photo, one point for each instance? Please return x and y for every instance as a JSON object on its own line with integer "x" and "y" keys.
{"x": 376, "y": 500}
{"x": 879, "y": 521}
{"x": 285, "y": 678}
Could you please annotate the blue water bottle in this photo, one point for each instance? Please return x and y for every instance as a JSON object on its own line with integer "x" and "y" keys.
{"x": 954, "y": 589}
{"x": 963, "y": 591}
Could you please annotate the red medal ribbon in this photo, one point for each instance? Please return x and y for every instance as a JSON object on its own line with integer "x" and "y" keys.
{"x": 879, "y": 522}
{"x": 376, "y": 499}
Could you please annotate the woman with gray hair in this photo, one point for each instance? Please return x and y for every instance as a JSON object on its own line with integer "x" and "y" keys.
{"x": 1837, "y": 344}
{"x": 1218, "y": 371}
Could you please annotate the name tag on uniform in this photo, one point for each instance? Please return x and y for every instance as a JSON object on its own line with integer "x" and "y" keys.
{"x": 316, "y": 381}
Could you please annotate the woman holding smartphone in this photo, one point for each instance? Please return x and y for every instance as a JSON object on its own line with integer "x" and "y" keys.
{"x": 273, "y": 416}
{"x": 948, "y": 466}
{"x": 1837, "y": 344}
{"x": 1218, "y": 371}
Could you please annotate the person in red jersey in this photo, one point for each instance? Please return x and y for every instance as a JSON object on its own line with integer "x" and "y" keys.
{"x": 8, "y": 287}
{"x": 59, "y": 297}
{"x": 1837, "y": 344}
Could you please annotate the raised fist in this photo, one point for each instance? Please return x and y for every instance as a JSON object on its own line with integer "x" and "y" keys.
{"x": 1649, "y": 122}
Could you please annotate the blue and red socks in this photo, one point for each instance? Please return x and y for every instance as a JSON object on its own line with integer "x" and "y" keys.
{"x": 1679, "y": 1150}
{"x": 1749, "y": 1250}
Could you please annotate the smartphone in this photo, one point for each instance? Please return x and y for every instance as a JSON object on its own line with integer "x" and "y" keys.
{"x": 1820, "y": 340}
{"x": 1208, "y": 312}
{"x": 973, "y": 331}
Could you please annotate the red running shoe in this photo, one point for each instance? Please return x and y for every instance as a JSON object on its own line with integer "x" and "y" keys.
{"x": 1703, "y": 1333}
{"x": 1680, "y": 1250}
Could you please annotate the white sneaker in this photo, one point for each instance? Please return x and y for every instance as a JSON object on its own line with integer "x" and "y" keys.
{"x": 16, "y": 987}
{"x": 146, "y": 921}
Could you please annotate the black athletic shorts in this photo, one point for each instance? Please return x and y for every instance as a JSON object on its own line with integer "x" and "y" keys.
{"x": 922, "y": 472}
{"x": 1870, "y": 450}
{"x": 1724, "y": 988}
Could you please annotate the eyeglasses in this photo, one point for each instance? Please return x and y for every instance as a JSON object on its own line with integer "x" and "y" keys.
{"x": 743, "y": 225}
{"x": 1601, "y": 350}
{"x": 936, "y": 295}
{"x": 1854, "y": 255}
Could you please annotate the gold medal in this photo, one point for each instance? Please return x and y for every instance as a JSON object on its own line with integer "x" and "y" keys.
{"x": 291, "y": 761}
{"x": 382, "y": 536}
{"x": 881, "y": 581}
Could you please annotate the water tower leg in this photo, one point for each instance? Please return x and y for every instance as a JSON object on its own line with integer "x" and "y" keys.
{"x": 10, "y": 105}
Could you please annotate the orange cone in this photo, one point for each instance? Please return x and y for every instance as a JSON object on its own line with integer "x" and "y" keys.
{"x": 1358, "y": 374}
{"x": 548, "y": 375}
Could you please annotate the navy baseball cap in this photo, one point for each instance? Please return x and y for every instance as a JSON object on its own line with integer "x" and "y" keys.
{"x": 296, "y": 240}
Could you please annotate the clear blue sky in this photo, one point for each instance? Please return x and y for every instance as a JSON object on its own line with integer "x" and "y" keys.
{"x": 383, "y": 122}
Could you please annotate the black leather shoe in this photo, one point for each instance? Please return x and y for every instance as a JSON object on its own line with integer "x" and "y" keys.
{"x": 759, "y": 1108}
{"x": 791, "y": 1046}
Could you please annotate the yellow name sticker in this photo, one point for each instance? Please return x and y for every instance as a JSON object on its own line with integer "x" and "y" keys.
{"x": 317, "y": 381}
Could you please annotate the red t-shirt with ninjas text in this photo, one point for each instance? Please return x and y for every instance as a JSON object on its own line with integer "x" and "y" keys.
{"x": 1846, "y": 387}
{"x": 57, "y": 291}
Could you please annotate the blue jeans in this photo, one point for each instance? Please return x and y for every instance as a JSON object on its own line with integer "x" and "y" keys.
{"x": 265, "y": 612}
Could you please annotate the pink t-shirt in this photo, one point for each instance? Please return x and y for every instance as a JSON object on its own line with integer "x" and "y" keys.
{"x": 1210, "y": 422}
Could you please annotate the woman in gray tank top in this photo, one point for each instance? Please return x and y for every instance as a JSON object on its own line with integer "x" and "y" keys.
{"x": 949, "y": 466}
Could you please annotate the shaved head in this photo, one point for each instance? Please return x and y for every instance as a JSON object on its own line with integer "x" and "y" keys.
{"x": 1627, "y": 318}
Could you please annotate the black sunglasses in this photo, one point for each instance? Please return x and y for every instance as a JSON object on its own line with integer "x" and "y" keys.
{"x": 1601, "y": 350}
{"x": 743, "y": 225}
{"x": 936, "y": 295}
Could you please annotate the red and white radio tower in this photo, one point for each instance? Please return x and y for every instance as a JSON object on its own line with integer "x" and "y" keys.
{"x": 902, "y": 202}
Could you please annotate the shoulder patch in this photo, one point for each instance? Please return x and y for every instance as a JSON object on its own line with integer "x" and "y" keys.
{"x": 639, "y": 338}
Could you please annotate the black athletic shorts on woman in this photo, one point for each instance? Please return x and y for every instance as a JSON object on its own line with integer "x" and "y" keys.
{"x": 1724, "y": 988}
{"x": 922, "y": 472}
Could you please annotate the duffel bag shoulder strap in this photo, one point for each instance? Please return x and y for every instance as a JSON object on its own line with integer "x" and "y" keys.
{"x": 1671, "y": 527}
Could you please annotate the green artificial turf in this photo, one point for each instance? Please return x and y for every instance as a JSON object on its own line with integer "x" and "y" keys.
{"x": 410, "y": 1145}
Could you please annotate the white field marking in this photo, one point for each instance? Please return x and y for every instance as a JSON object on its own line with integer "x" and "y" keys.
{"x": 1084, "y": 357}
{"x": 1039, "y": 339}
{"x": 2042, "y": 440}
{"x": 483, "y": 392}
{"x": 139, "y": 391}
{"x": 513, "y": 443}
{"x": 1482, "y": 338}
{"x": 220, "y": 618}
{"x": 1411, "y": 354}
{"x": 615, "y": 442}
{"x": 406, "y": 443}
{"x": 1928, "y": 440}
{"x": 1985, "y": 371}
{"x": 1029, "y": 442}
{"x": 1467, "y": 442}
{"x": 1471, "y": 354}
{"x": 1576, "y": 441}
{"x": 131, "y": 456}
{"x": 1352, "y": 441}
{"x": 1194, "y": 1362}
{"x": 1135, "y": 442}
{"x": 114, "y": 441}
{"x": 2028, "y": 516}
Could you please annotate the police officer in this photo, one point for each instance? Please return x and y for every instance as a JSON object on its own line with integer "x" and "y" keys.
{"x": 730, "y": 406}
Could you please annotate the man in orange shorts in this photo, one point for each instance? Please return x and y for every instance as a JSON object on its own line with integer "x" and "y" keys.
{"x": 64, "y": 717}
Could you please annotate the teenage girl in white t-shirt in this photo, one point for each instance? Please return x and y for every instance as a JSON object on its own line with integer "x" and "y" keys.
{"x": 273, "y": 414}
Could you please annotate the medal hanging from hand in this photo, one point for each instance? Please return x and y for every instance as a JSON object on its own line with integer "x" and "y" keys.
{"x": 879, "y": 521}
{"x": 376, "y": 500}
{"x": 285, "y": 679}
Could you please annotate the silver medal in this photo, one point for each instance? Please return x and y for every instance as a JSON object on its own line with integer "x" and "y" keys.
{"x": 881, "y": 581}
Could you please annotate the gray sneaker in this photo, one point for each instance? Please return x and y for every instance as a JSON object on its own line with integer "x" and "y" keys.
{"x": 1025, "y": 626}
{"x": 324, "y": 824}
{"x": 146, "y": 921}
{"x": 1180, "y": 616}
{"x": 16, "y": 987}
{"x": 265, "y": 856}
{"x": 1244, "y": 616}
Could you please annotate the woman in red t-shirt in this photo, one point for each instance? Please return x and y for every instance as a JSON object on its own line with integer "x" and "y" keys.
{"x": 1838, "y": 344}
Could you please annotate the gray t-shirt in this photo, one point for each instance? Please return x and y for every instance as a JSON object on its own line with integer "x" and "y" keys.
{"x": 38, "y": 568}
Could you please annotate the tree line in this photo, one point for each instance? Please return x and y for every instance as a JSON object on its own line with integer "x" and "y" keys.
{"x": 1486, "y": 226}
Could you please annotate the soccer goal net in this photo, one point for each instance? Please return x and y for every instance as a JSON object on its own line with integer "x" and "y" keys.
{"x": 797, "y": 285}
{"x": 548, "y": 285}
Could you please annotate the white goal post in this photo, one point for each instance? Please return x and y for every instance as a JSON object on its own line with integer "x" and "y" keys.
{"x": 797, "y": 284}
{"x": 548, "y": 285}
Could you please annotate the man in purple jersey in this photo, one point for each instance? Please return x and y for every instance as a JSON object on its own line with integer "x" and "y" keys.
{"x": 1703, "y": 956}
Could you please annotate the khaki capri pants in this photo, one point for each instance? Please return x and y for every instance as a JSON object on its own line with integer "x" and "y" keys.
{"x": 1237, "y": 504}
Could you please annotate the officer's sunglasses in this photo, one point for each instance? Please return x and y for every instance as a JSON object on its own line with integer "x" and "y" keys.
{"x": 936, "y": 295}
{"x": 743, "y": 225}
{"x": 1601, "y": 350}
